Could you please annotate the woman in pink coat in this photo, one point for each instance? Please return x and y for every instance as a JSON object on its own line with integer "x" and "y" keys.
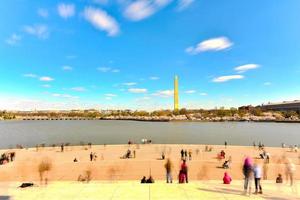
{"x": 226, "y": 179}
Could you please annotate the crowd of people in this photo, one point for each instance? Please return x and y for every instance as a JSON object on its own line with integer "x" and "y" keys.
{"x": 7, "y": 157}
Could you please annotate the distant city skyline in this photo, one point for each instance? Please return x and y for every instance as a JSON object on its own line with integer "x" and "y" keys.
{"x": 124, "y": 54}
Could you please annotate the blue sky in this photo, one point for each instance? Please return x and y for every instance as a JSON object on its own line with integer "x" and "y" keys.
{"x": 117, "y": 54}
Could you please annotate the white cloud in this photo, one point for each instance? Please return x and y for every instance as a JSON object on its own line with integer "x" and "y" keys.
{"x": 78, "y": 89}
{"x": 41, "y": 31}
{"x": 46, "y": 86}
{"x": 244, "y": 68}
{"x": 110, "y": 95}
{"x": 46, "y": 78}
{"x": 130, "y": 83}
{"x": 67, "y": 68}
{"x": 203, "y": 94}
{"x": 267, "y": 83}
{"x": 137, "y": 90}
{"x": 43, "y": 12}
{"x": 190, "y": 91}
{"x": 227, "y": 78}
{"x": 66, "y": 10}
{"x": 164, "y": 93}
{"x": 153, "y": 78}
{"x": 213, "y": 44}
{"x": 30, "y": 75}
{"x": 13, "y": 39}
{"x": 141, "y": 9}
{"x": 183, "y": 4}
{"x": 101, "y": 20}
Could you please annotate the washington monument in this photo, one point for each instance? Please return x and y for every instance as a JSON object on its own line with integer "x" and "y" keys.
{"x": 176, "y": 100}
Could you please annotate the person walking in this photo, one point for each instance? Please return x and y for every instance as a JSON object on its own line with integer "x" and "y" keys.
{"x": 257, "y": 177}
{"x": 290, "y": 171}
{"x": 247, "y": 171}
{"x": 168, "y": 167}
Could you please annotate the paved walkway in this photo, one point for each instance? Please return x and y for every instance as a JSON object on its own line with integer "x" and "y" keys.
{"x": 132, "y": 190}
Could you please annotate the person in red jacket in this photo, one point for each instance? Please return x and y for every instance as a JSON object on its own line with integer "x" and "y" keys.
{"x": 226, "y": 179}
{"x": 184, "y": 169}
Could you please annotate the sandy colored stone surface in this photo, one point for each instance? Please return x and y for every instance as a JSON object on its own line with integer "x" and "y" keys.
{"x": 109, "y": 166}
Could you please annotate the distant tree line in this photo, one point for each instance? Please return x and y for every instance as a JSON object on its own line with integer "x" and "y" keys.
{"x": 217, "y": 112}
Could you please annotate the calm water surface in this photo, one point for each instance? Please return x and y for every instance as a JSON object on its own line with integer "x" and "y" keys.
{"x": 30, "y": 133}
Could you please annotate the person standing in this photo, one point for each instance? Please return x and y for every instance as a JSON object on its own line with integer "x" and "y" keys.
{"x": 168, "y": 167}
{"x": 185, "y": 154}
{"x": 225, "y": 144}
{"x": 182, "y": 154}
{"x": 190, "y": 154}
{"x": 184, "y": 169}
{"x": 257, "y": 177}
{"x": 91, "y": 156}
{"x": 62, "y": 148}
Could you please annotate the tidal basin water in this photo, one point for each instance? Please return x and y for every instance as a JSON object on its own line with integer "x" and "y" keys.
{"x": 30, "y": 133}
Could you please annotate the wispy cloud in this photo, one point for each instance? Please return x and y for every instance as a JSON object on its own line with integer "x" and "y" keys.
{"x": 244, "y": 68}
{"x": 104, "y": 69}
{"x": 108, "y": 69}
{"x": 64, "y": 96}
{"x": 153, "y": 78}
{"x": 129, "y": 83}
{"x": 164, "y": 93}
{"x": 184, "y": 4}
{"x": 227, "y": 78}
{"x": 13, "y": 39}
{"x": 66, "y": 10}
{"x": 137, "y": 90}
{"x": 141, "y": 9}
{"x": 101, "y": 20}
{"x": 267, "y": 83}
{"x": 213, "y": 44}
{"x": 46, "y": 78}
{"x": 39, "y": 30}
{"x": 43, "y": 12}
{"x": 78, "y": 89}
{"x": 110, "y": 95}
{"x": 190, "y": 91}
{"x": 30, "y": 75}
{"x": 203, "y": 94}
{"x": 67, "y": 68}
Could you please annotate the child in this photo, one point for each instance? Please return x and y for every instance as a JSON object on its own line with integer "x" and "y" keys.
{"x": 226, "y": 179}
{"x": 279, "y": 178}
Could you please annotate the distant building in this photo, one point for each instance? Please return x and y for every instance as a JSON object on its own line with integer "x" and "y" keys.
{"x": 282, "y": 106}
{"x": 176, "y": 98}
{"x": 247, "y": 108}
